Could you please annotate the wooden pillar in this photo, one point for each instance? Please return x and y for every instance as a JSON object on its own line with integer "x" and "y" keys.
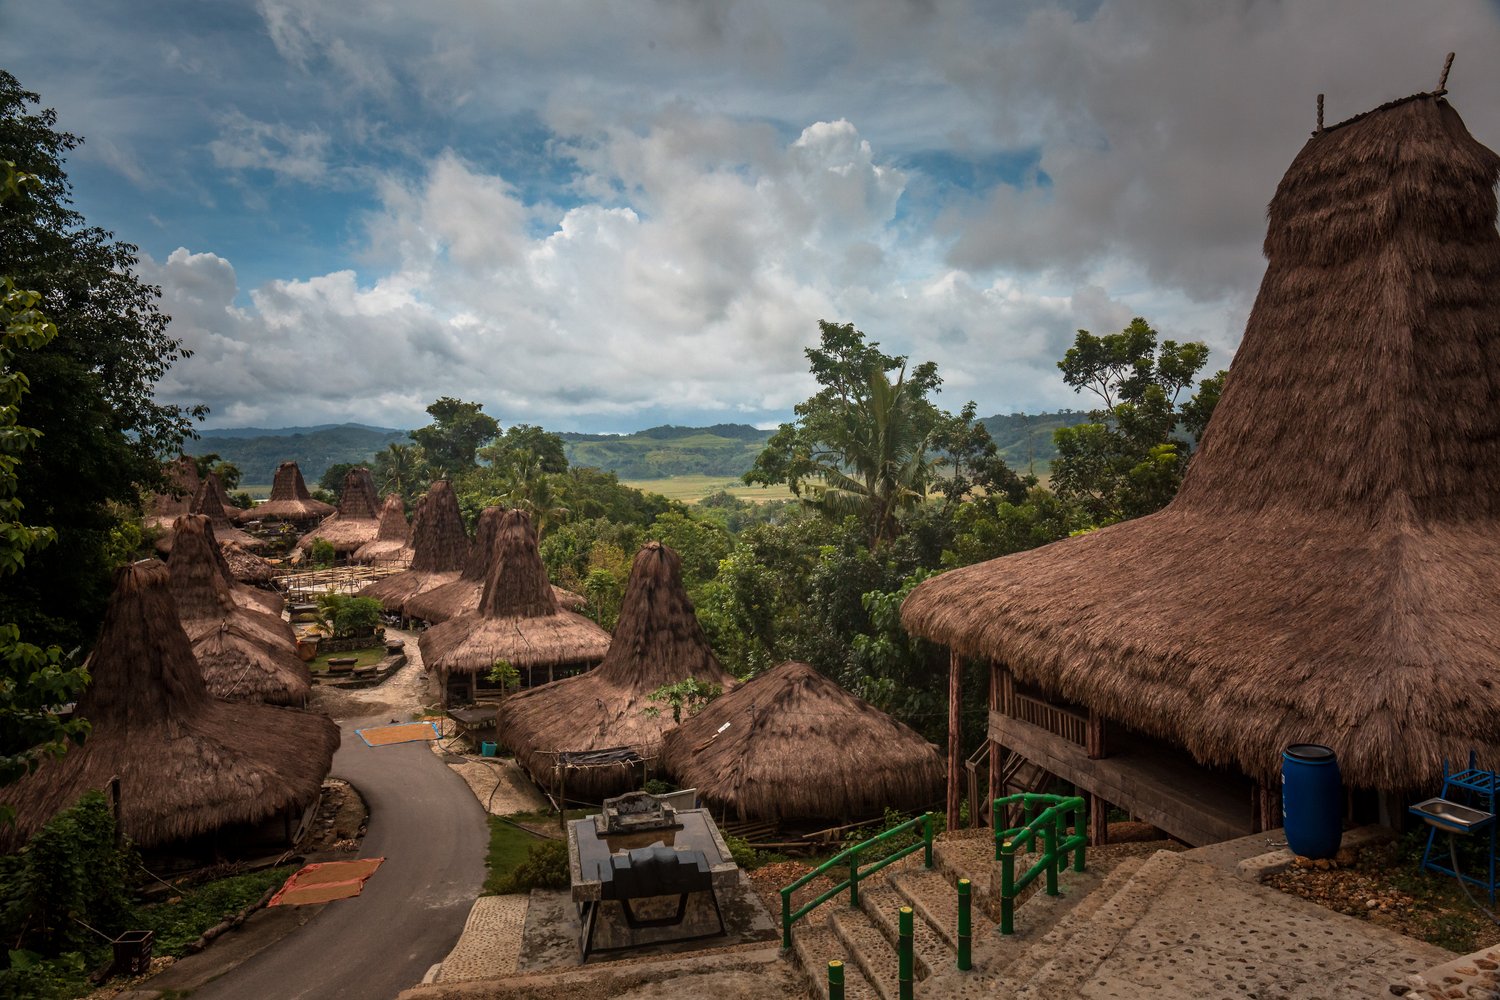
{"x": 1094, "y": 736}
{"x": 997, "y": 758}
{"x": 1098, "y": 820}
{"x": 955, "y": 737}
{"x": 1265, "y": 806}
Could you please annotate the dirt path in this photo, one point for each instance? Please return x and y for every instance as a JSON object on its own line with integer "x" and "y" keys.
{"x": 405, "y": 694}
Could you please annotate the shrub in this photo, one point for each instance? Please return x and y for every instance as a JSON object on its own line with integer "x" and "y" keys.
{"x": 545, "y": 867}
{"x": 323, "y": 552}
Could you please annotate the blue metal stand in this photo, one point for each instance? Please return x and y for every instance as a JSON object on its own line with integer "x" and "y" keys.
{"x": 1473, "y": 787}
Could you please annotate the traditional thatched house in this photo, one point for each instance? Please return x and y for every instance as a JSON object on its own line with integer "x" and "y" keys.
{"x": 164, "y": 508}
{"x": 189, "y": 765}
{"x": 656, "y": 642}
{"x": 244, "y": 654}
{"x": 392, "y": 542}
{"x": 289, "y": 501}
{"x": 462, "y": 595}
{"x": 1330, "y": 570}
{"x": 440, "y": 548}
{"x": 207, "y": 501}
{"x": 355, "y": 523}
{"x": 244, "y": 566}
{"x": 518, "y": 620}
{"x": 799, "y": 747}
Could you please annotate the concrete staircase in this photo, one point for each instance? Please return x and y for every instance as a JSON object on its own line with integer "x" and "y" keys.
{"x": 1166, "y": 926}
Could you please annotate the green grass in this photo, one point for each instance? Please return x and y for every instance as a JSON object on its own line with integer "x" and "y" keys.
{"x": 509, "y": 846}
{"x": 691, "y": 489}
{"x": 260, "y": 491}
{"x": 364, "y": 658}
{"x": 181, "y": 923}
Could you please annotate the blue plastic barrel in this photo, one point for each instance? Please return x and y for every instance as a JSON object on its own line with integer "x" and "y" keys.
{"x": 1312, "y": 800}
{"x": 487, "y": 749}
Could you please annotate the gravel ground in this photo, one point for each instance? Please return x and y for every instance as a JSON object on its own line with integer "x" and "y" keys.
{"x": 403, "y": 695}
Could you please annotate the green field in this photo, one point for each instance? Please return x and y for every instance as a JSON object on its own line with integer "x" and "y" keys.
{"x": 691, "y": 489}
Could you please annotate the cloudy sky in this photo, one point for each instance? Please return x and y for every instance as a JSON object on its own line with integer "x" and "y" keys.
{"x": 603, "y": 215}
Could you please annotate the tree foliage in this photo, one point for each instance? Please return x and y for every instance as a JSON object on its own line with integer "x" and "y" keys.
{"x": 452, "y": 441}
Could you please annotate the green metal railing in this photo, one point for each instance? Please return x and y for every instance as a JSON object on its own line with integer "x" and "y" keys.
{"x": 1047, "y": 815}
{"x": 849, "y": 858}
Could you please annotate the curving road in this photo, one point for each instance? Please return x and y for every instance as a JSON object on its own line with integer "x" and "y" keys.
{"x": 433, "y": 835}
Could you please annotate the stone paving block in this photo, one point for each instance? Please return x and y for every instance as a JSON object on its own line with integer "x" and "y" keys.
{"x": 869, "y": 949}
{"x": 490, "y": 943}
{"x": 816, "y": 945}
{"x": 883, "y": 904}
{"x": 935, "y": 900}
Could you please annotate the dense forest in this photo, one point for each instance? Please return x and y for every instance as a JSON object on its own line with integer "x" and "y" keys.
{"x": 256, "y": 451}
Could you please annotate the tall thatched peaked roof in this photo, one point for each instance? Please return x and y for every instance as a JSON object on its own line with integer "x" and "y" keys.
{"x": 207, "y": 501}
{"x": 244, "y": 654}
{"x": 799, "y": 746}
{"x": 393, "y": 536}
{"x": 440, "y": 548}
{"x": 461, "y": 595}
{"x": 1330, "y": 569}
{"x": 164, "y": 508}
{"x": 357, "y": 520}
{"x": 187, "y": 762}
{"x": 656, "y": 642}
{"x": 518, "y": 618}
{"x": 290, "y": 500}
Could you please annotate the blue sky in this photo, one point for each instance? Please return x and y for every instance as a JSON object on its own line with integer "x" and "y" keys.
{"x": 601, "y": 216}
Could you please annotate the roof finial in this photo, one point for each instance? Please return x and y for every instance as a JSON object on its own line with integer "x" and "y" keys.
{"x": 1320, "y": 114}
{"x": 1442, "y": 87}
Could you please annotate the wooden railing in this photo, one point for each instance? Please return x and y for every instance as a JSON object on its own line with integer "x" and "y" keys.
{"x": 1058, "y": 721}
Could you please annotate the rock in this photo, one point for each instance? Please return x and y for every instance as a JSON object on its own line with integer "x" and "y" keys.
{"x": 1370, "y": 904}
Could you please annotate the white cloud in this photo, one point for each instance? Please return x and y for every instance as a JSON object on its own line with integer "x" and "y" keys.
{"x": 247, "y": 144}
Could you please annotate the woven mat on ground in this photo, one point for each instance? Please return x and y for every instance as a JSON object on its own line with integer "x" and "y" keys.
{"x": 324, "y": 882}
{"x": 407, "y": 732}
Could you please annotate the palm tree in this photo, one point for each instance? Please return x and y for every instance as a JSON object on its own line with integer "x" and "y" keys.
{"x": 401, "y": 469}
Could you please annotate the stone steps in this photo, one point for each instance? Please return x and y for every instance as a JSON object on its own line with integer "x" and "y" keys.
{"x": 815, "y": 944}
{"x": 868, "y": 947}
{"x": 930, "y": 949}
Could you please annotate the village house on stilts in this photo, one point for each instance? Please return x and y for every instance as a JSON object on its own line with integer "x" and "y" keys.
{"x": 191, "y": 768}
{"x": 392, "y": 542}
{"x": 289, "y": 500}
{"x": 357, "y": 520}
{"x": 599, "y": 734}
{"x": 440, "y": 548}
{"x": 1330, "y": 570}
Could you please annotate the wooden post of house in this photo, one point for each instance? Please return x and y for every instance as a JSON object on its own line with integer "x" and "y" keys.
{"x": 1098, "y": 808}
{"x": 955, "y": 737}
{"x": 996, "y": 757}
{"x": 1265, "y": 806}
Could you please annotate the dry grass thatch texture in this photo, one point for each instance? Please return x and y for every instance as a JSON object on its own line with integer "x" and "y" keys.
{"x": 188, "y": 763}
{"x": 290, "y": 500}
{"x": 462, "y": 594}
{"x": 393, "y": 537}
{"x": 799, "y": 746}
{"x": 440, "y": 549}
{"x": 656, "y": 642}
{"x": 165, "y": 508}
{"x": 1329, "y": 570}
{"x": 518, "y": 618}
{"x": 355, "y": 523}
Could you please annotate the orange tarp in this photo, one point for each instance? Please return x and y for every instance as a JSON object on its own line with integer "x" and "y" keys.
{"x": 327, "y": 881}
{"x": 408, "y": 732}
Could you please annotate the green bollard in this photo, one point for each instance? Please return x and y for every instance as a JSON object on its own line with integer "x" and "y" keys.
{"x": 965, "y": 962}
{"x": 903, "y": 954}
{"x": 1007, "y": 888}
{"x": 786, "y": 920}
{"x": 1049, "y": 846}
{"x": 835, "y": 980}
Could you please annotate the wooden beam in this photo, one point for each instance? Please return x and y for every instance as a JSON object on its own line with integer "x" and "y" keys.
{"x": 955, "y": 737}
{"x": 997, "y": 758}
{"x": 1094, "y": 741}
{"x": 1098, "y": 820}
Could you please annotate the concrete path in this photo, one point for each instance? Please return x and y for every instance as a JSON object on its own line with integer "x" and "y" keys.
{"x": 426, "y": 823}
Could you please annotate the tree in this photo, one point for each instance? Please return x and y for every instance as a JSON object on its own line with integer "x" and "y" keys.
{"x": 544, "y": 448}
{"x": 869, "y": 446}
{"x": 229, "y": 474}
{"x": 34, "y": 680}
{"x": 1129, "y": 462}
{"x": 401, "y": 469}
{"x": 332, "y": 479}
{"x": 457, "y": 431}
{"x": 92, "y": 387}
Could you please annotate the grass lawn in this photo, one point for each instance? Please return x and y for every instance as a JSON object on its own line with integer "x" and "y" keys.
{"x": 509, "y": 846}
{"x": 691, "y": 489}
{"x": 363, "y": 657}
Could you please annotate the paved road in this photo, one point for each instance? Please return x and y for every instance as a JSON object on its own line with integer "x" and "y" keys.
{"x": 433, "y": 835}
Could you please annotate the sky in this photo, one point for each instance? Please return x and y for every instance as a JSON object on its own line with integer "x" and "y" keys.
{"x": 603, "y": 216}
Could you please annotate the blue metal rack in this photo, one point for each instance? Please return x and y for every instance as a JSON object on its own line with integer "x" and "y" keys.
{"x": 1472, "y": 787}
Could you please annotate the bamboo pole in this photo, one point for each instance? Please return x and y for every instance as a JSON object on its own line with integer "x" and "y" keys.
{"x": 955, "y": 737}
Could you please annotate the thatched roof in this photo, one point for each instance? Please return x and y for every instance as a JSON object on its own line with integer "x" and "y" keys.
{"x": 357, "y": 520}
{"x": 461, "y": 595}
{"x": 248, "y": 568}
{"x": 440, "y": 548}
{"x": 290, "y": 500}
{"x": 1330, "y": 569}
{"x": 208, "y": 502}
{"x": 164, "y": 508}
{"x": 518, "y": 618}
{"x": 799, "y": 746}
{"x": 393, "y": 537}
{"x": 188, "y": 763}
{"x": 656, "y": 642}
{"x": 244, "y": 654}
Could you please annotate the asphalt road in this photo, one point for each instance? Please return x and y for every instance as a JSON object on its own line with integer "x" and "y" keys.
{"x": 433, "y": 835}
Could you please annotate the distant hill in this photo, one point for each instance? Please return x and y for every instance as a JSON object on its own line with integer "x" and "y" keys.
{"x": 257, "y": 451}
{"x": 1026, "y": 438}
{"x": 658, "y": 452}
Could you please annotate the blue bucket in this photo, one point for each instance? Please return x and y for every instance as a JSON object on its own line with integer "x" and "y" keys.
{"x": 1312, "y": 800}
{"x": 487, "y": 749}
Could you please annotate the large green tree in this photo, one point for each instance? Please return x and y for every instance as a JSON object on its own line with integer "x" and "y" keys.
{"x": 458, "y": 430}
{"x": 1130, "y": 460}
{"x": 103, "y": 433}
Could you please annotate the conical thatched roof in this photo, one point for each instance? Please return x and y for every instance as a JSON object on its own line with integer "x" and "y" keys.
{"x": 290, "y": 500}
{"x": 1330, "y": 569}
{"x": 461, "y": 595}
{"x": 440, "y": 548}
{"x": 518, "y": 618}
{"x": 244, "y": 654}
{"x": 799, "y": 746}
{"x": 187, "y": 762}
{"x": 248, "y": 568}
{"x": 357, "y": 520}
{"x": 165, "y": 508}
{"x": 393, "y": 537}
{"x": 656, "y": 642}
